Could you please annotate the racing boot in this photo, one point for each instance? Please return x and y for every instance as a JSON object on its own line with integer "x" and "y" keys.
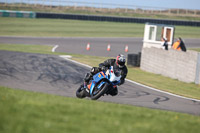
{"x": 113, "y": 91}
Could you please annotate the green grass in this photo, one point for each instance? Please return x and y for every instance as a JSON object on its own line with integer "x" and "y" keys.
{"x": 67, "y": 28}
{"x": 187, "y": 32}
{"x": 31, "y": 112}
{"x": 195, "y": 49}
{"x": 154, "y": 80}
{"x": 41, "y": 49}
{"x": 76, "y": 28}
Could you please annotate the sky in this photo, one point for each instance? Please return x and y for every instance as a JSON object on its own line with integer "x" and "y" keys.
{"x": 183, "y": 4}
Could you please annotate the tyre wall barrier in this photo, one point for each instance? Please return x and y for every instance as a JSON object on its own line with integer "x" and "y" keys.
{"x": 116, "y": 19}
{"x": 18, "y": 14}
{"x": 134, "y": 59}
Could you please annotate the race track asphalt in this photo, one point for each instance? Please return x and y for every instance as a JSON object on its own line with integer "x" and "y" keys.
{"x": 77, "y": 45}
{"x": 55, "y": 75}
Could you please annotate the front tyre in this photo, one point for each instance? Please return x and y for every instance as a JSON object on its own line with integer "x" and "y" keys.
{"x": 80, "y": 93}
{"x": 100, "y": 92}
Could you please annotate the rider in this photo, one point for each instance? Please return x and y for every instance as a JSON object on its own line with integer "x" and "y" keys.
{"x": 119, "y": 62}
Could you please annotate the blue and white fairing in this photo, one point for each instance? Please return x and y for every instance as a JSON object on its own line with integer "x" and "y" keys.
{"x": 113, "y": 77}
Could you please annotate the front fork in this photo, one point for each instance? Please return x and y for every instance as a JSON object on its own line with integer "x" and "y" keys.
{"x": 86, "y": 89}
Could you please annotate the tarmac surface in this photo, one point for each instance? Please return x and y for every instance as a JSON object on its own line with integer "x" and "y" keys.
{"x": 98, "y": 46}
{"x": 55, "y": 75}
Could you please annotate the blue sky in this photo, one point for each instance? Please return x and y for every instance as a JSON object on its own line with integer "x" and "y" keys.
{"x": 184, "y": 4}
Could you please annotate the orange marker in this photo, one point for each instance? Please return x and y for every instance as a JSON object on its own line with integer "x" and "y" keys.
{"x": 108, "y": 47}
{"x": 126, "y": 48}
{"x": 88, "y": 47}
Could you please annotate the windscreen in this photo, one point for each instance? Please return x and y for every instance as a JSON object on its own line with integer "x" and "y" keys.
{"x": 117, "y": 72}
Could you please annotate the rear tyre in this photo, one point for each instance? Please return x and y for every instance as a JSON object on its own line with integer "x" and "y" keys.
{"x": 100, "y": 92}
{"x": 80, "y": 93}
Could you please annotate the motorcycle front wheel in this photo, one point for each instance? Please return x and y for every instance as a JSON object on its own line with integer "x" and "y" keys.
{"x": 80, "y": 93}
{"x": 98, "y": 93}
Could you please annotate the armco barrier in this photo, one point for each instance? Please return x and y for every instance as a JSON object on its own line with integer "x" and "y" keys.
{"x": 116, "y": 19}
{"x": 30, "y": 14}
{"x": 18, "y": 14}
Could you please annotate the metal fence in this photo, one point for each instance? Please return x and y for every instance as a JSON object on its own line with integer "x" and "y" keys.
{"x": 100, "y": 7}
{"x": 116, "y": 19}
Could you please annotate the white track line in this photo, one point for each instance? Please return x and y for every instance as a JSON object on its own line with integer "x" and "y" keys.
{"x": 66, "y": 58}
{"x": 54, "y": 48}
{"x": 162, "y": 91}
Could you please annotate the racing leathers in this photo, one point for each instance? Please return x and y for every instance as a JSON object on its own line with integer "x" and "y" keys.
{"x": 104, "y": 66}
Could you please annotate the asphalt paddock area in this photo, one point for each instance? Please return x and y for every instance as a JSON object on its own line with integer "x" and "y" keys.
{"x": 55, "y": 75}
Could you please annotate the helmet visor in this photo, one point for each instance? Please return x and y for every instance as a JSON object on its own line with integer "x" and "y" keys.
{"x": 121, "y": 63}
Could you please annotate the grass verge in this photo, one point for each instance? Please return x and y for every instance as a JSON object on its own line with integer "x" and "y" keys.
{"x": 30, "y": 112}
{"x": 76, "y": 28}
{"x": 195, "y": 49}
{"x": 154, "y": 80}
{"x": 40, "y": 49}
{"x": 67, "y": 28}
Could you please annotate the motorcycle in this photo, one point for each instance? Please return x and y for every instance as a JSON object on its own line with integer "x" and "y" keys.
{"x": 100, "y": 84}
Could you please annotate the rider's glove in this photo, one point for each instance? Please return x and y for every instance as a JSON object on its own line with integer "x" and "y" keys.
{"x": 92, "y": 70}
